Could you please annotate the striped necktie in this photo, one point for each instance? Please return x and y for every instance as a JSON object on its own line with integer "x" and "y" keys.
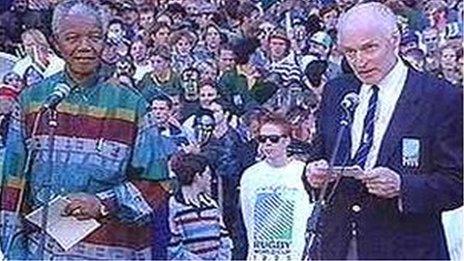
{"x": 367, "y": 138}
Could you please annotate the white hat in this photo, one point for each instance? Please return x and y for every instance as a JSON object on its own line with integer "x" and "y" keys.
{"x": 322, "y": 38}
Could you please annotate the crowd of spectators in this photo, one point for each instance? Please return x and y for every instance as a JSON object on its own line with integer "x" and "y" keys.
{"x": 272, "y": 54}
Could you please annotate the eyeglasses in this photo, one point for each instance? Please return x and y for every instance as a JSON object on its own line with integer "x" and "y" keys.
{"x": 271, "y": 138}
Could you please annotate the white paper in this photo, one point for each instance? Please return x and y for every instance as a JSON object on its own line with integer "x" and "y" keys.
{"x": 349, "y": 171}
{"x": 66, "y": 230}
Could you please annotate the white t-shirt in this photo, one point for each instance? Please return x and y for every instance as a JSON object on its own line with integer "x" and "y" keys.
{"x": 141, "y": 70}
{"x": 275, "y": 209}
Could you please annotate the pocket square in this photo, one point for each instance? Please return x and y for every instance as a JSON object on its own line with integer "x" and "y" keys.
{"x": 410, "y": 152}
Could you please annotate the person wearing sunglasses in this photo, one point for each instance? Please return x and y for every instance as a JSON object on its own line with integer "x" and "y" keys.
{"x": 274, "y": 203}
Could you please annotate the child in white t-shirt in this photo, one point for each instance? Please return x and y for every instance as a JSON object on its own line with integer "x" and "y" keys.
{"x": 275, "y": 205}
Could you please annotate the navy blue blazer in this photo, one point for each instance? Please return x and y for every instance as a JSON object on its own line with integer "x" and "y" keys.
{"x": 428, "y": 111}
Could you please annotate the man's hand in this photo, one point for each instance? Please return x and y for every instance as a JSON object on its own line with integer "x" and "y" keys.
{"x": 317, "y": 173}
{"x": 83, "y": 206}
{"x": 382, "y": 182}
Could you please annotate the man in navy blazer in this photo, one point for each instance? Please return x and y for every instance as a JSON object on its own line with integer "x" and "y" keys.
{"x": 406, "y": 135}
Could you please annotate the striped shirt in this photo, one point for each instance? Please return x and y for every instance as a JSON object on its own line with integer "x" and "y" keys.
{"x": 197, "y": 233}
{"x": 39, "y": 4}
{"x": 287, "y": 69}
{"x": 103, "y": 131}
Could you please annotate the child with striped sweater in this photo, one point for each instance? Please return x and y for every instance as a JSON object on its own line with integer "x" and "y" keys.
{"x": 195, "y": 221}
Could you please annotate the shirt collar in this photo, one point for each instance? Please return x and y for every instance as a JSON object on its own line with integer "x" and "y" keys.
{"x": 159, "y": 81}
{"x": 88, "y": 84}
{"x": 392, "y": 80}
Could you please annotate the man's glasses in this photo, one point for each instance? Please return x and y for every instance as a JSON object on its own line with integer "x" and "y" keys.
{"x": 271, "y": 138}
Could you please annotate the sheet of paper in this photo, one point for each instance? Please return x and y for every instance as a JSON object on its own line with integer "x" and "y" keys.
{"x": 66, "y": 230}
{"x": 351, "y": 171}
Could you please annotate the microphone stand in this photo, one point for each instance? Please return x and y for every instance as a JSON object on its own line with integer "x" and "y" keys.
{"x": 52, "y": 125}
{"x": 313, "y": 238}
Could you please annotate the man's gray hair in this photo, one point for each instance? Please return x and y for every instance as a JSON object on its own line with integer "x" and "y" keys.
{"x": 82, "y": 7}
{"x": 380, "y": 11}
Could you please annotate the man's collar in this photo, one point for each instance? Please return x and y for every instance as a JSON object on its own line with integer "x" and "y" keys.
{"x": 87, "y": 84}
{"x": 157, "y": 80}
{"x": 398, "y": 69}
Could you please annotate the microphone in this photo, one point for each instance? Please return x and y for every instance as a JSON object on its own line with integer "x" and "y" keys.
{"x": 314, "y": 225}
{"x": 59, "y": 93}
{"x": 350, "y": 101}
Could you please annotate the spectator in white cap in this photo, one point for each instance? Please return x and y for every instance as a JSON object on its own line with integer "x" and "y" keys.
{"x": 320, "y": 44}
{"x": 319, "y": 47}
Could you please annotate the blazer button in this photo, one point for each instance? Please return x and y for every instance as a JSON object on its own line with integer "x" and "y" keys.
{"x": 356, "y": 208}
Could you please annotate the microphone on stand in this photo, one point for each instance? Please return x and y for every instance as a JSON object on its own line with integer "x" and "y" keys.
{"x": 60, "y": 92}
{"x": 314, "y": 225}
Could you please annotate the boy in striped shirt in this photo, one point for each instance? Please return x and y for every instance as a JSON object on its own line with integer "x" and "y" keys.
{"x": 195, "y": 221}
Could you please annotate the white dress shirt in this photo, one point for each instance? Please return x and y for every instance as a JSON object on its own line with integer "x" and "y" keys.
{"x": 390, "y": 89}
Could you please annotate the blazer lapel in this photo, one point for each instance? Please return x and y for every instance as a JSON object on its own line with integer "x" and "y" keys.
{"x": 404, "y": 116}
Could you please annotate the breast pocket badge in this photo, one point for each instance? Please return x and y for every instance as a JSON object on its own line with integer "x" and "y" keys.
{"x": 410, "y": 152}
{"x": 238, "y": 101}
